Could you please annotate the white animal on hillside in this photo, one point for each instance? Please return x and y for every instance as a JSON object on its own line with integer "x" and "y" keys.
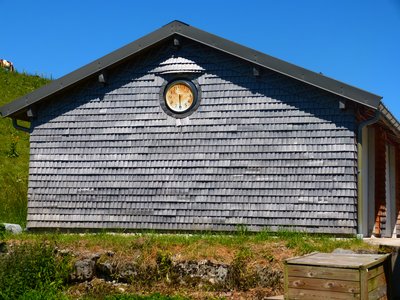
{"x": 8, "y": 65}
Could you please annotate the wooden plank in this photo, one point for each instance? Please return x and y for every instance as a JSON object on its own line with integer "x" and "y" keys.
{"x": 286, "y": 281}
{"x": 383, "y": 258}
{"x": 318, "y": 295}
{"x": 323, "y": 272}
{"x": 376, "y": 282}
{"x": 378, "y": 293}
{"x": 375, "y": 272}
{"x": 327, "y": 285}
{"x": 363, "y": 284}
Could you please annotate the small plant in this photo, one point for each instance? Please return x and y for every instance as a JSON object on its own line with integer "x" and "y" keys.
{"x": 12, "y": 150}
{"x": 32, "y": 270}
{"x": 238, "y": 277}
{"x": 242, "y": 230}
{"x": 164, "y": 264}
{"x": 268, "y": 256}
{"x": 2, "y": 230}
{"x": 3, "y": 245}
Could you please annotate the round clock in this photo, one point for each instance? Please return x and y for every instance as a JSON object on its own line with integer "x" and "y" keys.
{"x": 180, "y": 96}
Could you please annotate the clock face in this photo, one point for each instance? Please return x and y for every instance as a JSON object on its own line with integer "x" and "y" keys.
{"x": 180, "y": 96}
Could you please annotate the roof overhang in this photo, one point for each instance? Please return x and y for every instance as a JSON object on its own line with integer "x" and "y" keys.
{"x": 17, "y": 108}
{"x": 390, "y": 120}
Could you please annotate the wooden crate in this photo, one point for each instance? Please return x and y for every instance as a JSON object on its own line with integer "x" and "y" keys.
{"x": 337, "y": 276}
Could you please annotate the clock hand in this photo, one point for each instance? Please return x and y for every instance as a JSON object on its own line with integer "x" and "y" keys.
{"x": 179, "y": 97}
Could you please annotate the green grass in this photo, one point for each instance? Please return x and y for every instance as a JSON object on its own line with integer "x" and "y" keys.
{"x": 32, "y": 270}
{"x": 300, "y": 242}
{"x": 14, "y": 149}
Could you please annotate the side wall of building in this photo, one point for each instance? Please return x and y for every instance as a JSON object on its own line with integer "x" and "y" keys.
{"x": 262, "y": 151}
{"x": 387, "y": 188}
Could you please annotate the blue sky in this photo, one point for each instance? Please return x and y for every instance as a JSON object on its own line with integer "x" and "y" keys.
{"x": 357, "y": 42}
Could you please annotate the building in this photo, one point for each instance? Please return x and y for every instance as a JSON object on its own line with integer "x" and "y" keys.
{"x": 184, "y": 130}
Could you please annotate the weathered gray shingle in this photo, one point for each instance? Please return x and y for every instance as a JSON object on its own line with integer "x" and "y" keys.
{"x": 265, "y": 152}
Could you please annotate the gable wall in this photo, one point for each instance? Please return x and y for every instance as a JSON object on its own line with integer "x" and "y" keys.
{"x": 263, "y": 151}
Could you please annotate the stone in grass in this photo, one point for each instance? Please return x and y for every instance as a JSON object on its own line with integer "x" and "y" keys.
{"x": 105, "y": 270}
{"x": 343, "y": 251}
{"x": 83, "y": 270}
{"x": 3, "y": 247}
{"x": 13, "y": 228}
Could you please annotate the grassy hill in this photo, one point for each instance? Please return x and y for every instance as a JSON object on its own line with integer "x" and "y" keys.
{"x": 14, "y": 149}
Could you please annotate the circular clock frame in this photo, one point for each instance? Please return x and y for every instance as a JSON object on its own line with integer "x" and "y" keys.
{"x": 190, "y": 86}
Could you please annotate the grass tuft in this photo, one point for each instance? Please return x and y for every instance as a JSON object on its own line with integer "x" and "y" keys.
{"x": 32, "y": 271}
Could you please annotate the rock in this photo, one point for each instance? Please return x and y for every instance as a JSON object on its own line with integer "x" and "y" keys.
{"x": 127, "y": 273}
{"x": 189, "y": 273}
{"x": 13, "y": 228}
{"x": 343, "y": 251}
{"x": 63, "y": 252}
{"x": 3, "y": 247}
{"x": 202, "y": 271}
{"x": 366, "y": 251}
{"x": 221, "y": 273}
{"x": 84, "y": 270}
{"x": 95, "y": 256}
{"x": 268, "y": 277}
{"x": 105, "y": 270}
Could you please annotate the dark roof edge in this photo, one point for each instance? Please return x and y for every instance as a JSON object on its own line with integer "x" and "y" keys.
{"x": 329, "y": 84}
{"x": 177, "y": 27}
{"x": 393, "y": 122}
{"x": 88, "y": 70}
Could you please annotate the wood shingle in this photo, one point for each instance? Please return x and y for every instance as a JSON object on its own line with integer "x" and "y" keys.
{"x": 263, "y": 151}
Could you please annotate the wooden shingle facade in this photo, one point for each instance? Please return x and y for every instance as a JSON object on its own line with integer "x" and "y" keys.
{"x": 261, "y": 148}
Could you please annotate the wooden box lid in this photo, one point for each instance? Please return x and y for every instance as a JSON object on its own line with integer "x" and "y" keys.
{"x": 339, "y": 260}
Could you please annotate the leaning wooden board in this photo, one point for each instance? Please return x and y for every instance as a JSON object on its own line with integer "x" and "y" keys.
{"x": 337, "y": 276}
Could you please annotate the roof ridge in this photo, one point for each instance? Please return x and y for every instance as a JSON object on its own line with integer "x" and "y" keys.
{"x": 175, "y": 22}
{"x": 18, "y": 107}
